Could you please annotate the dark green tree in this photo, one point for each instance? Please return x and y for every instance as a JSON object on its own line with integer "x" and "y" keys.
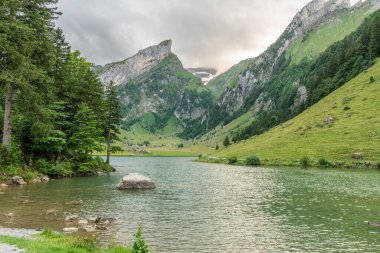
{"x": 226, "y": 141}
{"x": 113, "y": 117}
{"x": 86, "y": 136}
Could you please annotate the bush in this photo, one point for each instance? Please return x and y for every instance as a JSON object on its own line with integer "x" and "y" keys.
{"x": 323, "y": 162}
{"x": 371, "y": 79}
{"x": 232, "y": 160}
{"x": 305, "y": 162}
{"x": 252, "y": 161}
{"x": 13, "y": 170}
{"x": 139, "y": 245}
{"x": 50, "y": 169}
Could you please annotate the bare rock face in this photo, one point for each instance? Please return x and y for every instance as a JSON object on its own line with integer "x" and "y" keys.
{"x": 135, "y": 181}
{"x": 143, "y": 61}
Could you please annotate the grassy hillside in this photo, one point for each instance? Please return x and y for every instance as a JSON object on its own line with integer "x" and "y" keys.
{"x": 317, "y": 40}
{"x": 344, "y": 123}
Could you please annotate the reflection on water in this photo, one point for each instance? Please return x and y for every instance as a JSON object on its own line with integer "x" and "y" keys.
{"x": 215, "y": 208}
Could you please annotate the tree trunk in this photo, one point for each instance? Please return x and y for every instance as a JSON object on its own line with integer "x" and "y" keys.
{"x": 7, "y": 129}
{"x": 108, "y": 146}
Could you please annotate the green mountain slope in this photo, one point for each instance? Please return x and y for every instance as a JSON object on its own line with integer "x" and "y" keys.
{"x": 165, "y": 98}
{"x": 320, "y": 38}
{"x": 278, "y": 83}
{"x": 344, "y": 123}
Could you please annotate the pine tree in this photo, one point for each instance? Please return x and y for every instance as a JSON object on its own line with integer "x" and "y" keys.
{"x": 374, "y": 44}
{"x": 86, "y": 136}
{"x": 226, "y": 141}
{"x": 114, "y": 117}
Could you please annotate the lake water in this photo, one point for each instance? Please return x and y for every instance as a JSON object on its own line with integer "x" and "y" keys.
{"x": 215, "y": 208}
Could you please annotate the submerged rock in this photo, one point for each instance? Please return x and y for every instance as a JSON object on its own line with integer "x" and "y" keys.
{"x": 94, "y": 219}
{"x": 17, "y": 180}
{"x": 133, "y": 181}
{"x": 72, "y": 218}
{"x": 52, "y": 212}
{"x": 70, "y": 230}
{"x": 3, "y": 185}
{"x": 82, "y": 222}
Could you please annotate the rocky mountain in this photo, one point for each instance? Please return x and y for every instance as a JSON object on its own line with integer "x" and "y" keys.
{"x": 205, "y": 74}
{"x": 156, "y": 91}
{"x": 133, "y": 67}
{"x": 248, "y": 86}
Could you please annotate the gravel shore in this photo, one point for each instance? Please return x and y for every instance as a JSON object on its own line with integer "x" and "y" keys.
{"x": 15, "y": 232}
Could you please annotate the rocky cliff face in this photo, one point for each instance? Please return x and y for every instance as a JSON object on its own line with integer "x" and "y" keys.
{"x": 142, "y": 62}
{"x": 156, "y": 90}
{"x": 262, "y": 68}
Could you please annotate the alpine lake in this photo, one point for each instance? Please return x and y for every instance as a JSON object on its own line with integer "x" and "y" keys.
{"x": 199, "y": 207}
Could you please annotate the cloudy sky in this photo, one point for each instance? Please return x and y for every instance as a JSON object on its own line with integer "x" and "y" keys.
{"x": 209, "y": 33}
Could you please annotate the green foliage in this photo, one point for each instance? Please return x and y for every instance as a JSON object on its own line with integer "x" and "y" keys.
{"x": 232, "y": 160}
{"x": 226, "y": 141}
{"x": 59, "y": 169}
{"x": 86, "y": 136}
{"x": 371, "y": 79}
{"x": 217, "y": 147}
{"x": 252, "y": 161}
{"x": 139, "y": 246}
{"x": 324, "y": 163}
{"x": 378, "y": 165}
{"x": 305, "y": 162}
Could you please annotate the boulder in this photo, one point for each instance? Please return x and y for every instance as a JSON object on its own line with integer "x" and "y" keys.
{"x": 3, "y": 185}
{"x": 17, "y": 180}
{"x": 133, "y": 181}
{"x": 10, "y": 215}
{"x": 70, "y": 230}
{"x": 72, "y": 218}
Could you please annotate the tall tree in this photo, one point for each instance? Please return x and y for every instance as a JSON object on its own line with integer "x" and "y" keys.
{"x": 114, "y": 117}
{"x": 25, "y": 28}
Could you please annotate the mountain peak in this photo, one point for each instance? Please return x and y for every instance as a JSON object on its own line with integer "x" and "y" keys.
{"x": 143, "y": 61}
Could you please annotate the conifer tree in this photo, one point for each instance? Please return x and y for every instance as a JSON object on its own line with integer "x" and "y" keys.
{"x": 114, "y": 117}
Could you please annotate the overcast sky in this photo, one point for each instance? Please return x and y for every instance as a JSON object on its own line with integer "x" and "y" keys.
{"x": 208, "y": 33}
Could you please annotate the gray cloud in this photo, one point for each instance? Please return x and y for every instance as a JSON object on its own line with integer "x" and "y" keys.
{"x": 216, "y": 33}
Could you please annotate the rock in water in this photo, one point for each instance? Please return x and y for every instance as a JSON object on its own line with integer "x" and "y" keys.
{"x": 17, "y": 180}
{"x": 70, "y": 230}
{"x": 135, "y": 181}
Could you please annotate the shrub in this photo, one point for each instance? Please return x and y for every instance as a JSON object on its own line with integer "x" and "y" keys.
{"x": 13, "y": 170}
{"x": 252, "y": 161}
{"x": 323, "y": 162}
{"x": 139, "y": 246}
{"x": 371, "y": 79}
{"x": 305, "y": 162}
{"x": 50, "y": 169}
{"x": 232, "y": 160}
